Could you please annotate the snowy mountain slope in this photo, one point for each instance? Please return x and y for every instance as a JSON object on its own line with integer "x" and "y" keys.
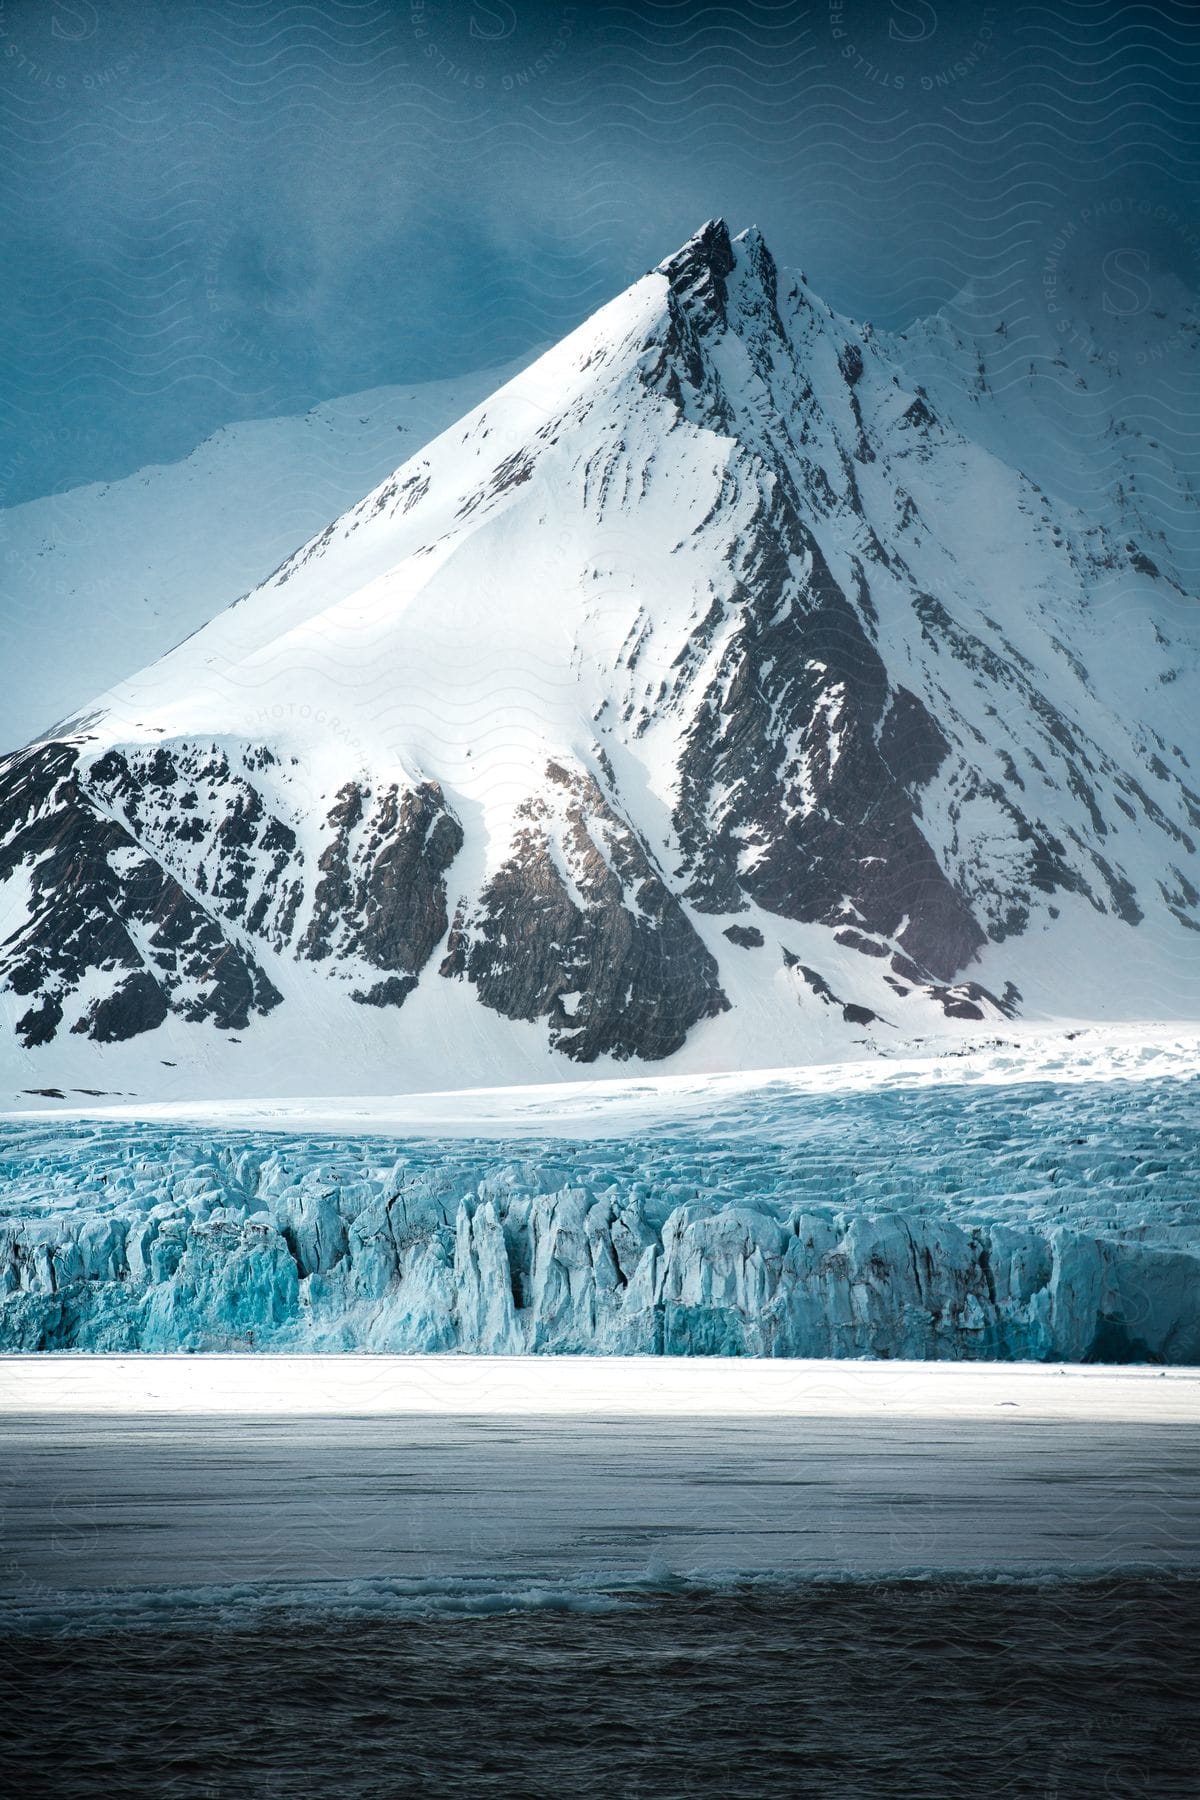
{"x": 102, "y": 578}
{"x": 1095, "y": 403}
{"x": 702, "y": 694}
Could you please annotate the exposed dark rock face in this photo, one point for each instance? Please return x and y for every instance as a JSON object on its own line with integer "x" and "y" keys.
{"x": 851, "y": 1012}
{"x": 394, "y": 991}
{"x": 381, "y": 897}
{"x": 102, "y": 909}
{"x": 961, "y": 1000}
{"x": 377, "y": 898}
{"x": 140, "y": 863}
{"x": 209, "y": 819}
{"x": 854, "y": 940}
{"x": 578, "y": 927}
{"x": 698, "y": 272}
{"x": 747, "y": 937}
{"x": 138, "y": 1005}
{"x": 817, "y": 761}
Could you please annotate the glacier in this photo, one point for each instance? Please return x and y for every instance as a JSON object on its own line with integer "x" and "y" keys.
{"x": 1041, "y": 1220}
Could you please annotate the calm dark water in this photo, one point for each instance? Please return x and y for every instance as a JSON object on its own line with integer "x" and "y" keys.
{"x": 890, "y": 1691}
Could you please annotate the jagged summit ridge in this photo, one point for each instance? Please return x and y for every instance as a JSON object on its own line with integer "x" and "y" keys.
{"x": 705, "y": 693}
{"x": 698, "y": 270}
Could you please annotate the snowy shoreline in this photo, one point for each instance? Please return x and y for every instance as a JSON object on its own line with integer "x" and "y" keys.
{"x": 255, "y": 1385}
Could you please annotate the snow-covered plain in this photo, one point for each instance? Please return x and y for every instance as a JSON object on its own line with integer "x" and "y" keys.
{"x": 573, "y": 1105}
{"x": 1008, "y": 1205}
{"x": 627, "y": 1387}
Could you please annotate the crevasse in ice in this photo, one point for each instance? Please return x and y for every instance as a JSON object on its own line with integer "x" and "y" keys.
{"x": 1027, "y": 1222}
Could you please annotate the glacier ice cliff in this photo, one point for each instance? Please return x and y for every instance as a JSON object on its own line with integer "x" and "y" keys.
{"x": 1030, "y": 1222}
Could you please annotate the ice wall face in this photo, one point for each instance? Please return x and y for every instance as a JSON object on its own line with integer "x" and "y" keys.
{"x": 1033, "y": 1229}
{"x": 510, "y": 1272}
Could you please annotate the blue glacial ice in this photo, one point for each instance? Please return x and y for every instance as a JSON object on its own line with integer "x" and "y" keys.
{"x": 1035, "y": 1220}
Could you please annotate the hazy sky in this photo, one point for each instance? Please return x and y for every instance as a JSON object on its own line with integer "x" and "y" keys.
{"x": 212, "y": 211}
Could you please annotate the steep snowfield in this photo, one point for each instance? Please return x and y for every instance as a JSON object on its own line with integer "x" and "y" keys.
{"x": 101, "y": 578}
{"x": 710, "y": 695}
{"x": 1101, "y": 414}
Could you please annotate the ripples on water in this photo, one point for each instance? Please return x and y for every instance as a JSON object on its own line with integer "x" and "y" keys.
{"x": 890, "y": 1691}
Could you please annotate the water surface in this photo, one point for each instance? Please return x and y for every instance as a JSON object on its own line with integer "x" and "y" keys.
{"x": 914, "y": 1583}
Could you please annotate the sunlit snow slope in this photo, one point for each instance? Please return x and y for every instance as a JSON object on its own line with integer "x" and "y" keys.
{"x": 706, "y": 694}
{"x": 101, "y": 578}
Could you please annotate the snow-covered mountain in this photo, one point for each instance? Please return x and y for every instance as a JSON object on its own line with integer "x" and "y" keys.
{"x": 1095, "y": 404}
{"x": 708, "y": 693}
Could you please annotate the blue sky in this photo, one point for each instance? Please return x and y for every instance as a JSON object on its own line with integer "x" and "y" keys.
{"x": 216, "y": 211}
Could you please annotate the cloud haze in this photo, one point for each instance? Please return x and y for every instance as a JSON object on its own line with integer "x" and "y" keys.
{"x": 234, "y": 210}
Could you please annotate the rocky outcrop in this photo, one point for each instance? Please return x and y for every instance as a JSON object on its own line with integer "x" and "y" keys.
{"x": 112, "y": 942}
{"x": 800, "y": 775}
{"x": 154, "y": 871}
{"x": 232, "y": 821}
{"x": 578, "y": 927}
{"x": 208, "y": 812}
{"x": 381, "y": 896}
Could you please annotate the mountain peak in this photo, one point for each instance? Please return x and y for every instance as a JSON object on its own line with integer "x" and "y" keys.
{"x": 698, "y": 271}
{"x": 700, "y": 694}
{"x": 710, "y": 248}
